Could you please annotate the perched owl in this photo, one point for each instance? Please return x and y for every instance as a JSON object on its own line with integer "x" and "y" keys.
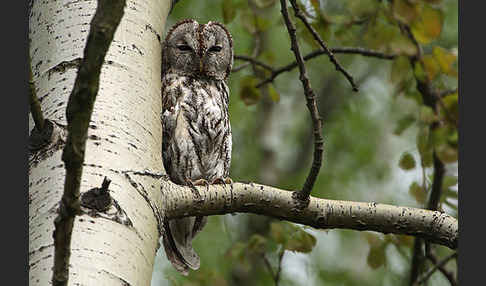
{"x": 196, "y": 144}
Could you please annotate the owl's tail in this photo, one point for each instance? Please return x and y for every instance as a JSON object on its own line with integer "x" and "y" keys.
{"x": 177, "y": 240}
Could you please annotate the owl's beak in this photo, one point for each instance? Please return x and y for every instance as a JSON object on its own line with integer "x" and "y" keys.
{"x": 200, "y": 66}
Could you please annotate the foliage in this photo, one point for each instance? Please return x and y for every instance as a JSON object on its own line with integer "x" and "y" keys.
{"x": 379, "y": 143}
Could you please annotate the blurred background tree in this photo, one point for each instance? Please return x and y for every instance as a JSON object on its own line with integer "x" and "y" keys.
{"x": 380, "y": 144}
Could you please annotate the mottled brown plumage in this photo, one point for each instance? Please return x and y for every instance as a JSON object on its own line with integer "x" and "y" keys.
{"x": 196, "y": 143}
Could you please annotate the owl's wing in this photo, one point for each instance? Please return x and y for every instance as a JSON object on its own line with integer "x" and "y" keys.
{"x": 168, "y": 124}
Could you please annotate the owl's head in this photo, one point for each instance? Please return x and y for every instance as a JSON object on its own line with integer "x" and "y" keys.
{"x": 198, "y": 50}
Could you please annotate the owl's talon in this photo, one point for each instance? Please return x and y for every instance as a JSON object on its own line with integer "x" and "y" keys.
{"x": 194, "y": 190}
{"x": 223, "y": 181}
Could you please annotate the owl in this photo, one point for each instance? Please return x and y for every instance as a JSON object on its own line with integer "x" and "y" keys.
{"x": 196, "y": 144}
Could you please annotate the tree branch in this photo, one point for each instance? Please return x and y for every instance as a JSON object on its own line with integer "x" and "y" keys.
{"x": 319, "y": 52}
{"x": 304, "y": 194}
{"x": 430, "y": 98}
{"x": 447, "y": 274}
{"x": 440, "y": 264}
{"x": 78, "y": 113}
{"x": 433, "y": 226}
{"x": 253, "y": 61}
{"x": 316, "y": 36}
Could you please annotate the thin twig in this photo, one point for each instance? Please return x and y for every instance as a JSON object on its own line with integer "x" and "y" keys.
{"x": 442, "y": 263}
{"x": 257, "y": 43}
{"x": 35, "y": 108}
{"x": 449, "y": 116}
{"x": 254, "y": 61}
{"x": 275, "y": 275}
{"x": 319, "y": 52}
{"x": 240, "y": 67}
{"x": 279, "y": 269}
{"x": 298, "y": 14}
{"x": 311, "y": 105}
{"x": 447, "y": 92}
{"x": 447, "y": 274}
{"x": 269, "y": 267}
{"x": 78, "y": 113}
{"x": 417, "y": 257}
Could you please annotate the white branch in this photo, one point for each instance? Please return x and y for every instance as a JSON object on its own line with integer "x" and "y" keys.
{"x": 434, "y": 226}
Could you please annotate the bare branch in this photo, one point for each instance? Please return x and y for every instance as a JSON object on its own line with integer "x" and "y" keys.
{"x": 316, "y": 36}
{"x": 269, "y": 268}
{"x": 304, "y": 194}
{"x": 447, "y": 274}
{"x": 279, "y": 269}
{"x": 319, "y": 52}
{"x": 78, "y": 113}
{"x": 275, "y": 276}
{"x": 432, "y": 270}
{"x": 253, "y": 61}
{"x": 433, "y": 226}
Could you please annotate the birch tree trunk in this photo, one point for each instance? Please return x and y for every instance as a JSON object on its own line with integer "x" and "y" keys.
{"x": 124, "y": 142}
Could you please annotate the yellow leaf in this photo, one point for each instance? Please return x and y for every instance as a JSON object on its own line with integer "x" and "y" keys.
{"x": 419, "y": 72}
{"x": 428, "y": 25}
{"x": 272, "y": 92}
{"x": 405, "y": 11}
{"x": 431, "y": 66}
{"x": 445, "y": 59}
{"x": 451, "y": 103}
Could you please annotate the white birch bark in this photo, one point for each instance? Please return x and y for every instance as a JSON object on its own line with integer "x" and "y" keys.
{"x": 124, "y": 142}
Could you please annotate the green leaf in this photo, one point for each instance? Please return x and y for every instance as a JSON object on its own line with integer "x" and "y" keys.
{"x": 264, "y": 3}
{"x": 445, "y": 60}
{"x": 380, "y": 35}
{"x": 418, "y": 192}
{"x": 403, "y": 124}
{"x": 292, "y": 237}
{"x": 424, "y": 146}
{"x": 447, "y": 154}
{"x": 427, "y": 115}
{"x": 272, "y": 92}
{"x": 405, "y": 11}
{"x": 262, "y": 23}
{"x": 248, "y": 92}
{"x": 256, "y": 243}
{"x": 402, "y": 45}
{"x": 419, "y": 72}
{"x": 229, "y": 11}
{"x": 236, "y": 251}
{"x": 376, "y": 256}
{"x": 428, "y": 25}
{"x": 451, "y": 103}
{"x": 363, "y": 8}
{"x": 400, "y": 70}
{"x": 449, "y": 181}
{"x": 431, "y": 66}
{"x": 407, "y": 162}
{"x": 445, "y": 143}
{"x": 248, "y": 21}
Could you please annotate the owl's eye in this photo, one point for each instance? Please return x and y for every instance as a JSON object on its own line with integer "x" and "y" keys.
{"x": 184, "y": 48}
{"x": 215, "y": 49}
